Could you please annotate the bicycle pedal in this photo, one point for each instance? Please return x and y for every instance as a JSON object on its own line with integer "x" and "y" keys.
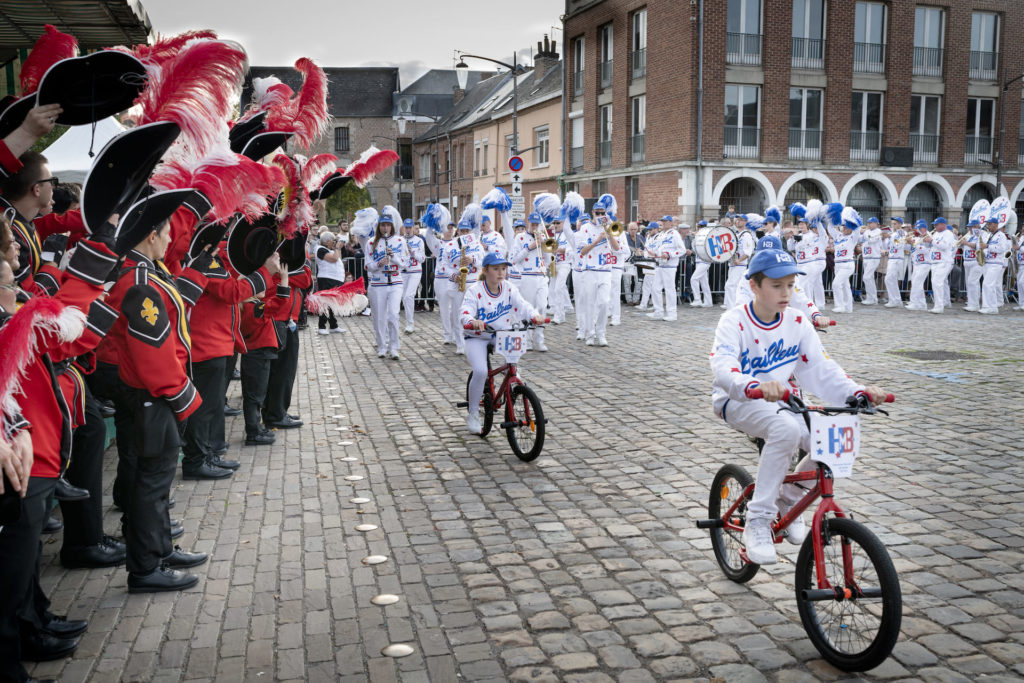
{"x": 462, "y": 404}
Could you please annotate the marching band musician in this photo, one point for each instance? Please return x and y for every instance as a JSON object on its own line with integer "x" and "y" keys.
{"x": 489, "y": 301}
{"x": 699, "y": 280}
{"x": 921, "y": 257}
{"x": 943, "y": 249}
{"x": 972, "y": 269}
{"x": 810, "y": 246}
{"x": 558, "y": 289}
{"x": 413, "y": 271}
{"x": 532, "y": 264}
{"x": 893, "y": 244}
{"x": 799, "y": 300}
{"x": 900, "y": 231}
{"x": 844, "y": 238}
{"x": 738, "y": 264}
{"x": 997, "y": 247}
{"x": 386, "y": 255}
{"x": 650, "y": 238}
{"x": 442, "y": 246}
{"x": 490, "y": 239}
{"x": 871, "y": 256}
{"x": 1018, "y": 250}
{"x": 467, "y": 254}
{"x": 596, "y": 244}
{"x": 666, "y": 249}
{"x": 618, "y": 260}
{"x": 578, "y": 290}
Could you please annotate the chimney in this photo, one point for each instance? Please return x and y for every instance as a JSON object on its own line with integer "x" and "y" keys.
{"x": 546, "y": 58}
{"x": 458, "y": 94}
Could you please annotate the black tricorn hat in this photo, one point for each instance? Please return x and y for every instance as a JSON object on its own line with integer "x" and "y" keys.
{"x": 331, "y": 184}
{"x": 262, "y": 144}
{"x": 251, "y": 243}
{"x": 146, "y": 215}
{"x": 121, "y": 170}
{"x": 92, "y": 87}
{"x": 13, "y": 111}
{"x": 210, "y": 234}
{"x": 293, "y": 251}
{"x": 243, "y": 131}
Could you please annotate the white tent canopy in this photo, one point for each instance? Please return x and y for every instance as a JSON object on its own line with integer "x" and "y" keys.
{"x": 68, "y": 156}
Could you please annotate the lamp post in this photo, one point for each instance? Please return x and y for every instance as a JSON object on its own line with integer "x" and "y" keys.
{"x": 399, "y": 167}
{"x": 1002, "y": 129}
{"x": 462, "y": 74}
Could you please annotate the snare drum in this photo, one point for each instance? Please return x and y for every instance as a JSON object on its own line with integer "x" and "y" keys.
{"x": 715, "y": 244}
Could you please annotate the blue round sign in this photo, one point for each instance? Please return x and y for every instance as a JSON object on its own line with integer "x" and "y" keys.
{"x": 515, "y": 164}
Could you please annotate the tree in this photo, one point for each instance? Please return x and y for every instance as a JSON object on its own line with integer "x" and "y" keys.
{"x": 42, "y": 143}
{"x": 343, "y": 204}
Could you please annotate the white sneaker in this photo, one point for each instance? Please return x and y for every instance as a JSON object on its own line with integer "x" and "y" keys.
{"x": 911, "y": 307}
{"x": 448, "y": 342}
{"x": 723, "y": 306}
{"x": 601, "y": 341}
{"x": 709, "y": 306}
{"x": 796, "y": 532}
{"x": 669, "y": 318}
{"x": 989, "y": 311}
{"x": 380, "y": 354}
{"x": 542, "y": 347}
{"x": 696, "y": 303}
{"x": 579, "y": 336}
{"x": 395, "y": 356}
{"x": 759, "y": 542}
{"x": 935, "y": 310}
{"x": 366, "y": 311}
{"x": 473, "y": 423}
{"x": 410, "y": 329}
{"x": 590, "y": 341}
{"x": 323, "y": 331}
{"x": 656, "y": 315}
{"x": 893, "y": 304}
{"x": 337, "y": 330}
{"x": 615, "y": 323}
{"x": 460, "y": 351}
{"x": 869, "y": 303}
{"x": 972, "y": 309}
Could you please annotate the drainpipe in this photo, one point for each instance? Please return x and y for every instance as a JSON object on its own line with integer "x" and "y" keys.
{"x": 565, "y": 56}
{"x": 700, "y": 111}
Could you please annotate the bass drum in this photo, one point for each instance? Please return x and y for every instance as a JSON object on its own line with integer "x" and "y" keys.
{"x": 715, "y": 244}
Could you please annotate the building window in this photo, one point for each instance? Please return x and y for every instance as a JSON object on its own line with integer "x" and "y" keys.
{"x": 866, "y": 126}
{"x": 924, "y": 128}
{"x": 805, "y": 123}
{"x": 638, "y": 141}
{"x": 485, "y": 169}
{"x": 929, "y": 38}
{"x": 639, "y": 43}
{"x": 577, "y": 63}
{"x": 869, "y": 38}
{"x": 511, "y": 147}
{"x": 984, "y": 45}
{"x": 605, "y": 142}
{"x": 633, "y": 197}
{"x": 743, "y": 32}
{"x": 742, "y": 136}
{"x": 341, "y": 139}
{"x": 540, "y": 141}
{"x": 1020, "y": 147}
{"x": 405, "y": 167}
{"x": 476, "y": 159}
{"x": 808, "y": 34}
{"x": 599, "y": 187}
{"x": 576, "y": 163}
{"x": 980, "y": 123}
{"x": 606, "y": 46}
{"x": 424, "y": 174}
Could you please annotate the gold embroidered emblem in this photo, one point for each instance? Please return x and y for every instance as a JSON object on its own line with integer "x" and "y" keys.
{"x": 149, "y": 312}
{"x": 214, "y": 265}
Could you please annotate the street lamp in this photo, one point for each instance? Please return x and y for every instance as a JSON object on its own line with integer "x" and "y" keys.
{"x": 1002, "y": 129}
{"x": 462, "y": 75}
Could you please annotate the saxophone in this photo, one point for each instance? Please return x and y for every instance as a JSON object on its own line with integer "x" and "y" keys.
{"x": 463, "y": 270}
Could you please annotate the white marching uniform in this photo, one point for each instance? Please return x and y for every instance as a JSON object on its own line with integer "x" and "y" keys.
{"x": 669, "y": 242}
{"x": 995, "y": 263}
{"x": 747, "y": 352}
{"x": 843, "y": 247}
{"x": 595, "y": 279}
{"x": 921, "y": 260}
{"x": 745, "y": 248}
{"x": 558, "y": 290}
{"x": 578, "y": 290}
{"x": 500, "y": 311}
{"x": 386, "y": 290}
{"x": 810, "y": 256}
{"x": 475, "y": 252}
{"x": 1019, "y": 255}
{"x": 799, "y": 301}
{"x": 972, "y": 270}
{"x": 699, "y": 283}
{"x": 871, "y": 256}
{"x": 533, "y": 267}
{"x": 618, "y": 260}
{"x": 943, "y": 250}
{"x": 441, "y": 249}
{"x": 894, "y": 271}
{"x": 413, "y": 275}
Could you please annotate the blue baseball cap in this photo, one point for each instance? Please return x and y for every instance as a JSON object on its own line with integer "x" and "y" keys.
{"x": 668, "y": 219}
{"x": 485, "y": 219}
{"x": 465, "y": 224}
{"x": 768, "y": 242}
{"x": 518, "y": 223}
{"x": 774, "y": 263}
{"x": 873, "y": 219}
{"x": 897, "y": 219}
{"x": 938, "y": 220}
{"x": 534, "y": 218}
{"x": 654, "y": 225}
{"x": 585, "y": 217}
{"x": 974, "y": 223}
{"x": 408, "y": 223}
{"x": 702, "y": 224}
{"x": 493, "y": 259}
{"x": 921, "y": 224}
{"x": 992, "y": 219}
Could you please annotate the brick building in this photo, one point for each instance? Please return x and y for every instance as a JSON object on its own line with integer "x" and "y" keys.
{"x": 892, "y": 107}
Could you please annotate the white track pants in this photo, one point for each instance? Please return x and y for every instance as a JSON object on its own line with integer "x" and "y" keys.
{"x": 992, "y": 286}
{"x": 441, "y": 286}
{"x": 940, "y": 284}
{"x": 476, "y": 354}
{"x": 700, "y": 285}
{"x": 870, "y": 288}
{"x": 384, "y": 303}
{"x": 595, "y": 301}
{"x": 534, "y": 288}
{"x": 454, "y": 313}
{"x": 1020, "y": 285}
{"x": 917, "y": 278}
{"x": 892, "y": 281}
{"x": 558, "y": 292}
{"x": 647, "y": 287}
{"x": 615, "y": 295}
{"x": 665, "y": 281}
{"x": 972, "y": 276}
{"x": 733, "y": 283}
{"x": 410, "y": 285}
{"x": 842, "y": 295}
{"x": 579, "y": 290}
{"x": 813, "y": 285}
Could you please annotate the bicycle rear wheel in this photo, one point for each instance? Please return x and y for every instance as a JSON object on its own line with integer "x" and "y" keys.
{"x": 859, "y": 632}
{"x": 486, "y": 406}
{"x": 726, "y": 488}
{"x": 526, "y": 436}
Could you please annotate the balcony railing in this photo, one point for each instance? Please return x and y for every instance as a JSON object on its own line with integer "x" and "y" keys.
{"x": 605, "y": 149}
{"x": 403, "y": 171}
{"x": 808, "y": 53}
{"x": 743, "y": 48}
{"x": 639, "y": 147}
{"x": 865, "y": 145}
{"x": 926, "y": 148}
{"x": 804, "y": 143}
{"x": 978, "y": 150}
{"x": 983, "y": 65}
{"x": 577, "y": 83}
{"x": 869, "y": 57}
{"x": 606, "y": 73}
{"x": 639, "y": 63}
{"x": 928, "y": 61}
{"x": 742, "y": 142}
{"x": 577, "y": 158}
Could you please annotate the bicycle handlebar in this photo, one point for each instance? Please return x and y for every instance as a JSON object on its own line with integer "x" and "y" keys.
{"x": 854, "y": 404}
{"x": 524, "y": 325}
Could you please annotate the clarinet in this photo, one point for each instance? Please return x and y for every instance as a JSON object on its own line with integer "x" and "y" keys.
{"x": 387, "y": 254}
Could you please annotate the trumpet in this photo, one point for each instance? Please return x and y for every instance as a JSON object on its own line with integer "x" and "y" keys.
{"x": 463, "y": 270}
{"x": 548, "y": 245}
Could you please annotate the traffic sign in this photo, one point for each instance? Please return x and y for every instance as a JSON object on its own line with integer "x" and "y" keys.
{"x": 518, "y": 211}
{"x": 517, "y": 177}
{"x": 515, "y": 164}
{"x": 517, "y": 189}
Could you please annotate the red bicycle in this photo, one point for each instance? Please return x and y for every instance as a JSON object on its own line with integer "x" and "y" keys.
{"x": 847, "y": 591}
{"x": 524, "y": 418}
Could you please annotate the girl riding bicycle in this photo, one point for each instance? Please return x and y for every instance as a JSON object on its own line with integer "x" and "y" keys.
{"x": 760, "y": 345}
{"x": 493, "y": 302}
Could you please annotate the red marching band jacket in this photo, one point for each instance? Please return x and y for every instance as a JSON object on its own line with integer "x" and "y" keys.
{"x": 258, "y": 318}
{"x": 298, "y": 279}
{"x": 215, "y": 320}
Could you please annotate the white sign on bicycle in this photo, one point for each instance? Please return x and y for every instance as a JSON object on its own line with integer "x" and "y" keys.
{"x": 510, "y": 344}
{"x": 835, "y": 441}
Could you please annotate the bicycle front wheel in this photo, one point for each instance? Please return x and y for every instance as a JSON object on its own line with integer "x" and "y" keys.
{"x": 858, "y": 632}
{"x": 526, "y": 433}
{"x": 486, "y": 406}
{"x": 726, "y": 489}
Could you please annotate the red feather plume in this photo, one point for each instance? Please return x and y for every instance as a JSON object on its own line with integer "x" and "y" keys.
{"x": 346, "y": 300}
{"x": 370, "y": 163}
{"x": 317, "y": 168}
{"x": 306, "y": 114}
{"x": 163, "y": 48}
{"x": 51, "y": 47}
{"x": 296, "y": 209}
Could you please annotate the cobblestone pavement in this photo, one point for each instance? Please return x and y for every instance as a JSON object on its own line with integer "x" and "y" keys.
{"x": 585, "y": 564}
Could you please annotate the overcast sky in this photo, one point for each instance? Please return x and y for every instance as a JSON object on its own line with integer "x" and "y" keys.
{"x": 413, "y": 34}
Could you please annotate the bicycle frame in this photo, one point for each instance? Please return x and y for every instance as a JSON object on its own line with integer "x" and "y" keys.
{"x": 504, "y": 393}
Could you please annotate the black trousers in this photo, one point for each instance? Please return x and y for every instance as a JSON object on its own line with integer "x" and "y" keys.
{"x": 256, "y": 366}
{"x": 106, "y": 384}
{"x": 209, "y": 378}
{"x": 83, "y": 521}
{"x": 217, "y": 429}
{"x": 147, "y": 524}
{"x": 20, "y": 549}
{"x": 282, "y": 378}
{"x": 323, "y": 283}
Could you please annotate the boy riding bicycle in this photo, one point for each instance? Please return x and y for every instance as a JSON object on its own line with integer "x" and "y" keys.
{"x": 761, "y": 344}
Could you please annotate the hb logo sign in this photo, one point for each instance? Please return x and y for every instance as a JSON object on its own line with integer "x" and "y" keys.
{"x": 721, "y": 244}
{"x": 840, "y": 440}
